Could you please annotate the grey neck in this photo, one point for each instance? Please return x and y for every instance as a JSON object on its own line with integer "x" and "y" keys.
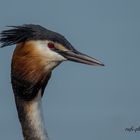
{"x": 30, "y": 116}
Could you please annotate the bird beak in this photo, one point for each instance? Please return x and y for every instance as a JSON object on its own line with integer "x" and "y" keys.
{"x": 79, "y": 57}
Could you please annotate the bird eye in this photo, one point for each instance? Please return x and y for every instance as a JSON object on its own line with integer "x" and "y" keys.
{"x": 51, "y": 45}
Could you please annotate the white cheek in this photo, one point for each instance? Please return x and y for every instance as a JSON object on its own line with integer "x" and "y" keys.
{"x": 48, "y": 54}
{"x": 50, "y": 59}
{"x": 53, "y": 56}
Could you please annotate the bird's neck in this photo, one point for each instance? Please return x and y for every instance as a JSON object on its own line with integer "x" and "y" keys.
{"x": 29, "y": 77}
{"x": 30, "y": 116}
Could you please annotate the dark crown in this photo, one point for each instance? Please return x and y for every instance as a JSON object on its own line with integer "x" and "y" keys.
{"x": 18, "y": 34}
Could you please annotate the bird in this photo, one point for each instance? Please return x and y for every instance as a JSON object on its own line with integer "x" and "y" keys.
{"x": 38, "y": 51}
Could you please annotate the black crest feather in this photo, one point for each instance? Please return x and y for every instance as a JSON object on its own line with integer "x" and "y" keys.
{"x": 18, "y": 34}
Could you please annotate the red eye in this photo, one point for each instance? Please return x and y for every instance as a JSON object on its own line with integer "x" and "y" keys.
{"x": 51, "y": 45}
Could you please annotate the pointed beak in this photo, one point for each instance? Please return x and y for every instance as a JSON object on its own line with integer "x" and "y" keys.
{"x": 79, "y": 57}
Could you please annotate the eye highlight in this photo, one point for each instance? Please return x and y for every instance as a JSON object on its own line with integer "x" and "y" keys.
{"x": 51, "y": 45}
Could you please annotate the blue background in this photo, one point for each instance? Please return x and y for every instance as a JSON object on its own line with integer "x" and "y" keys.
{"x": 81, "y": 102}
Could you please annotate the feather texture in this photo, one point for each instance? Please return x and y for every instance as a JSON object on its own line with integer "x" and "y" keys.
{"x": 18, "y": 34}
